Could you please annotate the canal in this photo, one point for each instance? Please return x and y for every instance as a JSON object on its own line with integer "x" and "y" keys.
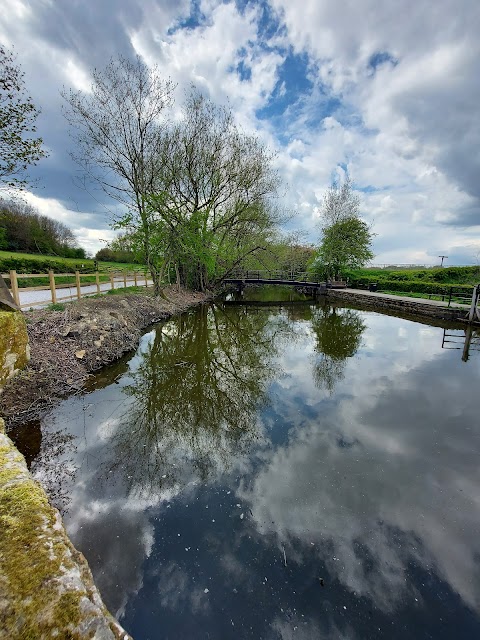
{"x": 277, "y": 471}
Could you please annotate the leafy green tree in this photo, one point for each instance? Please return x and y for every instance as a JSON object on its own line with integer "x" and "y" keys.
{"x": 216, "y": 188}
{"x": 346, "y": 239}
{"x": 345, "y": 245}
{"x": 18, "y": 149}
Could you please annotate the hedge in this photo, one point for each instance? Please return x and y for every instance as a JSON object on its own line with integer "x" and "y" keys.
{"x": 410, "y": 286}
{"x": 43, "y": 265}
{"x": 447, "y": 275}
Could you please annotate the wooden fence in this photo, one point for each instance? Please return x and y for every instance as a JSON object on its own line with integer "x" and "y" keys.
{"x": 133, "y": 278}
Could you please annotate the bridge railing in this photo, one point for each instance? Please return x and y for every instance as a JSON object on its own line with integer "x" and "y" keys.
{"x": 274, "y": 275}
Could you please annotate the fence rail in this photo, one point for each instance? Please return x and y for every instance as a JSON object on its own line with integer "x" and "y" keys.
{"x": 111, "y": 278}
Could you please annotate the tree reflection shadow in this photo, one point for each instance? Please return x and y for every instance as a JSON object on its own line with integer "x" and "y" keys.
{"x": 338, "y": 334}
{"x": 196, "y": 395}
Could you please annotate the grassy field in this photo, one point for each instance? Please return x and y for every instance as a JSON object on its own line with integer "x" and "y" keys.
{"x": 444, "y": 276}
{"x": 35, "y": 263}
{"x": 448, "y": 283}
{"x": 73, "y": 263}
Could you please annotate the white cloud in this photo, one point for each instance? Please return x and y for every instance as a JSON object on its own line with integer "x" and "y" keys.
{"x": 406, "y": 126}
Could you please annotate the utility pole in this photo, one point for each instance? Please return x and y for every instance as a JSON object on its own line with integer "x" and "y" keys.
{"x": 442, "y": 257}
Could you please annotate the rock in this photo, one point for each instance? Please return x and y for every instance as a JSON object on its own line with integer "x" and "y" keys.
{"x": 14, "y": 347}
{"x": 98, "y": 343}
{"x": 80, "y": 354}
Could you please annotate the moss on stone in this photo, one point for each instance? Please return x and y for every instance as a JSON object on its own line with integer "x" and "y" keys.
{"x": 46, "y": 588}
{"x": 14, "y": 349}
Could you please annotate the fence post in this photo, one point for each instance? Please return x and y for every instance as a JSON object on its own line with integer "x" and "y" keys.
{"x": 97, "y": 281}
{"x": 473, "y": 307}
{"x": 450, "y": 296}
{"x": 125, "y": 279}
{"x": 14, "y": 287}
{"x": 135, "y": 278}
{"x": 77, "y": 282}
{"x": 112, "y": 284}
{"x": 51, "y": 277}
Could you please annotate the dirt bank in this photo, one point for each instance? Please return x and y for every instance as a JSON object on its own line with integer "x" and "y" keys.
{"x": 67, "y": 345}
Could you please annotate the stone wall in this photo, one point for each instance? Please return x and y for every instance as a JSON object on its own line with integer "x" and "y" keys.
{"x": 14, "y": 349}
{"x": 396, "y": 304}
{"x": 46, "y": 587}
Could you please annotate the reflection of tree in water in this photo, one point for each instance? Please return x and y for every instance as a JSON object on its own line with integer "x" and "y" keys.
{"x": 338, "y": 335}
{"x": 196, "y": 394}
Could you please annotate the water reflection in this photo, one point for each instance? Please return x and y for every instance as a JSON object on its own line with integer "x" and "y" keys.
{"x": 466, "y": 340}
{"x": 197, "y": 390}
{"x": 308, "y": 472}
{"x": 338, "y": 334}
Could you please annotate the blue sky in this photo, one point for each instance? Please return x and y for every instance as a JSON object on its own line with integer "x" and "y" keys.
{"x": 387, "y": 91}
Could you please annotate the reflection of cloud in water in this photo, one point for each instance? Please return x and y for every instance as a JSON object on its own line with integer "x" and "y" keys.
{"x": 178, "y": 592}
{"x": 118, "y": 541}
{"x": 380, "y": 483}
{"x": 301, "y": 629}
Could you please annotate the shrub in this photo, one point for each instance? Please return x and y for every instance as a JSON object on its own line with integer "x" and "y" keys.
{"x": 414, "y": 286}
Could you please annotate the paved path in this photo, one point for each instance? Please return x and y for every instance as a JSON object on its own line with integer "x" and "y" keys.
{"x": 39, "y": 299}
{"x": 388, "y": 296}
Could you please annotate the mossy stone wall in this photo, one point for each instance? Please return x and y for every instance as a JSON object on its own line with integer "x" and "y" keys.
{"x": 14, "y": 349}
{"x": 46, "y": 588}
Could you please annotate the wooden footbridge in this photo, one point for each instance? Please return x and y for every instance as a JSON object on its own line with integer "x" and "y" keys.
{"x": 293, "y": 279}
{"x": 466, "y": 303}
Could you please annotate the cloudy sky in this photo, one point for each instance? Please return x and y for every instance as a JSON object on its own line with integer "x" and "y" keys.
{"x": 388, "y": 90}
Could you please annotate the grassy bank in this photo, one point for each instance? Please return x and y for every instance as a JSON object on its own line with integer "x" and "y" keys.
{"x": 33, "y": 263}
{"x": 36, "y": 263}
{"x": 434, "y": 284}
{"x": 444, "y": 276}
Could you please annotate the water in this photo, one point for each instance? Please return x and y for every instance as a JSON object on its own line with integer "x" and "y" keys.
{"x": 273, "y": 472}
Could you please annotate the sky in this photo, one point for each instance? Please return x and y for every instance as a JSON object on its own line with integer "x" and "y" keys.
{"x": 388, "y": 91}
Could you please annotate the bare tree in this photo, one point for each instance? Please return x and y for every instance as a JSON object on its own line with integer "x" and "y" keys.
{"x": 339, "y": 203}
{"x": 118, "y": 129}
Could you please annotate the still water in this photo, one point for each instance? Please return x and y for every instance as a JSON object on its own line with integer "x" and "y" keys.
{"x": 298, "y": 471}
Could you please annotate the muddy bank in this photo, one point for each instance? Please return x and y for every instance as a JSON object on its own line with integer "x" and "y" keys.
{"x": 67, "y": 345}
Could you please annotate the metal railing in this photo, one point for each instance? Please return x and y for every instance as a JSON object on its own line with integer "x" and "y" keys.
{"x": 273, "y": 275}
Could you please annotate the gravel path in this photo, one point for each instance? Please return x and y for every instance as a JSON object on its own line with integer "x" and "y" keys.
{"x": 40, "y": 299}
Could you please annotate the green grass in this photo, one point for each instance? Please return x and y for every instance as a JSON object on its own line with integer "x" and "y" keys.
{"x": 119, "y": 292}
{"x": 426, "y": 296}
{"x": 36, "y": 263}
{"x": 56, "y": 306}
{"x": 73, "y": 263}
{"x": 443, "y": 276}
{"x": 413, "y": 294}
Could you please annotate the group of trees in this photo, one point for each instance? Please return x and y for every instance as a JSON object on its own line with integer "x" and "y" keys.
{"x": 121, "y": 249}
{"x": 22, "y": 228}
{"x": 198, "y": 195}
{"x": 198, "y": 192}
